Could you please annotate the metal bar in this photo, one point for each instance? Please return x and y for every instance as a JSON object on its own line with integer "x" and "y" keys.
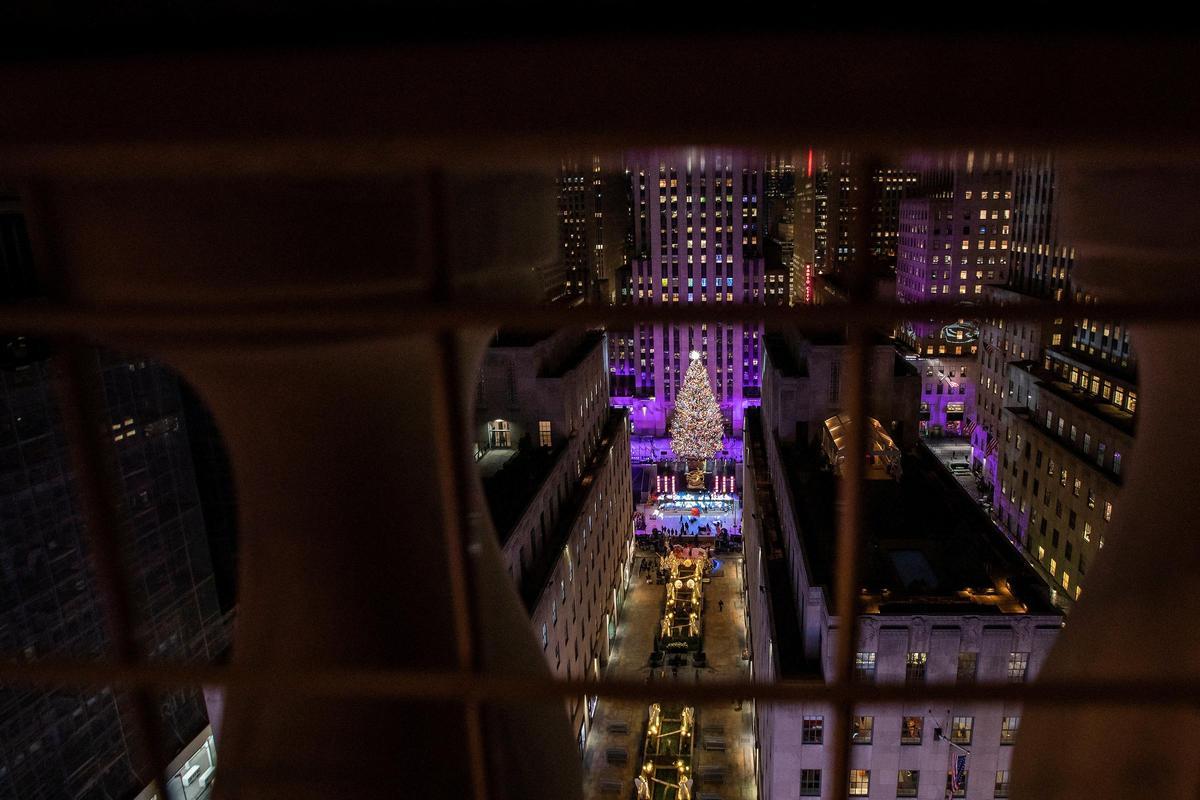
{"x": 388, "y": 316}
{"x": 449, "y": 417}
{"x": 81, "y": 401}
{"x": 849, "y": 504}
{"x": 416, "y": 685}
{"x": 850, "y": 499}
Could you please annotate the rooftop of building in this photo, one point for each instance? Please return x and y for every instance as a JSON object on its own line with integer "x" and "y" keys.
{"x": 1090, "y": 404}
{"x": 511, "y": 480}
{"x": 563, "y": 350}
{"x": 926, "y": 549}
{"x": 902, "y": 367}
{"x": 782, "y": 358}
{"x": 785, "y": 622}
{"x": 792, "y": 364}
{"x": 915, "y": 360}
{"x": 513, "y": 338}
{"x": 494, "y": 460}
{"x": 570, "y": 358}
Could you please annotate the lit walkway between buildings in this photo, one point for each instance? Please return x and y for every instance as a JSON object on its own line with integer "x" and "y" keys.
{"x": 619, "y": 724}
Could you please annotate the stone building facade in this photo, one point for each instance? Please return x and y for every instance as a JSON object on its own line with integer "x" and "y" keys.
{"x": 562, "y": 503}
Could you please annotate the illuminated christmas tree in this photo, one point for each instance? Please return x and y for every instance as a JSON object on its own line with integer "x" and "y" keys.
{"x": 697, "y": 427}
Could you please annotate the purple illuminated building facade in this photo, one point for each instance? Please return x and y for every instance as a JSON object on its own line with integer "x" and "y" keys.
{"x": 955, "y": 229}
{"x": 955, "y": 233}
{"x": 947, "y": 394}
{"x": 697, "y": 241}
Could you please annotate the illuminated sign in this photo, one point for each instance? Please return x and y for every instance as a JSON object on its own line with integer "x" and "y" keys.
{"x": 955, "y": 408}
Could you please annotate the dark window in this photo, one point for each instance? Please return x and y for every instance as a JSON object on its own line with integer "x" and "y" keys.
{"x": 967, "y": 663}
{"x": 810, "y": 783}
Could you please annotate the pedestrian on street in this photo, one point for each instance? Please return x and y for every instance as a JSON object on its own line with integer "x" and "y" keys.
{"x": 720, "y": 605}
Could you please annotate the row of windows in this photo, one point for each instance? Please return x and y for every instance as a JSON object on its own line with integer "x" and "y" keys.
{"x": 864, "y": 666}
{"x": 1093, "y": 384}
{"x": 912, "y": 730}
{"x": 908, "y": 783}
{"x": 594, "y": 604}
{"x": 942, "y": 350}
{"x": 962, "y": 289}
{"x": 1064, "y": 475}
{"x": 989, "y": 195}
{"x": 674, "y": 298}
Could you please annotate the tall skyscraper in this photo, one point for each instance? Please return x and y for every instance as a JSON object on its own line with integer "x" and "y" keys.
{"x": 780, "y": 242}
{"x": 593, "y": 220}
{"x": 847, "y": 183}
{"x": 698, "y": 240}
{"x": 811, "y": 229}
{"x": 842, "y": 198}
{"x": 1057, "y": 407}
{"x": 1039, "y": 269}
{"x": 955, "y": 231}
{"x": 887, "y": 186}
{"x": 81, "y": 743}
